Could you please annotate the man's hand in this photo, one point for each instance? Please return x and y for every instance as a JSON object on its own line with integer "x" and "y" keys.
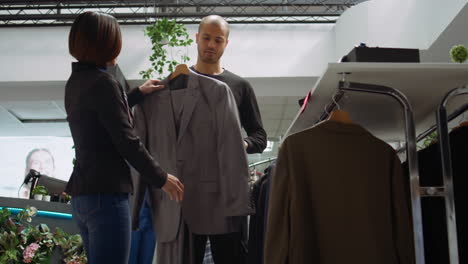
{"x": 150, "y": 86}
{"x": 174, "y": 188}
{"x": 246, "y": 145}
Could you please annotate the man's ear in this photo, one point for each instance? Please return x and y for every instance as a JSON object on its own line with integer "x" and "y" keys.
{"x": 196, "y": 37}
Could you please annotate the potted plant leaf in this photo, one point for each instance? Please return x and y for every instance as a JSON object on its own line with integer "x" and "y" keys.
{"x": 458, "y": 53}
{"x": 23, "y": 242}
{"x": 65, "y": 198}
{"x": 166, "y": 37}
{"x": 39, "y": 191}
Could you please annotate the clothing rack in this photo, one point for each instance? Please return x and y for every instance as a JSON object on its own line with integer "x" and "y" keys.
{"x": 405, "y": 82}
{"x": 410, "y": 135}
{"x": 447, "y": 172}
{"x": 417, "y": 191}
{"x": 445, "y": 191}
{"x": 254, "y": 178}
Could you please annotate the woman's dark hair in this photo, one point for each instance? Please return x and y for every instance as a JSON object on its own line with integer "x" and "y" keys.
{"x": 95, "y": 38}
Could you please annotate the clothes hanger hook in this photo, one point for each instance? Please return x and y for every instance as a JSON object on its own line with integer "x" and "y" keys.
{"x": 325, "y": 109}
{"x": 334, "y": 101}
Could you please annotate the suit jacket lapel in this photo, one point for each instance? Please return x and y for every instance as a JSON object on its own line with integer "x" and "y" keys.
{"x": 189, "y": 102}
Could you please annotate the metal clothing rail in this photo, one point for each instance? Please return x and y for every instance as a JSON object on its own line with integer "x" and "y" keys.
{"x": 261, "y": 162}
{"x": 416, "y": 190}
{"x": 438, "y": 190}
{"x": 447, "y": 173}
{"x": 446, "y": 191}
{"x": 410, "y": 134}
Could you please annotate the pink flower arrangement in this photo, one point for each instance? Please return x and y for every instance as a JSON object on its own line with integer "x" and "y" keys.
{"x": 29, "y": 252}
{"x": 21, "y": 242}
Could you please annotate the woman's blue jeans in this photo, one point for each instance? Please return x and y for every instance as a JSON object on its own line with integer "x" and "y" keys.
{"x": 104, "y": 224}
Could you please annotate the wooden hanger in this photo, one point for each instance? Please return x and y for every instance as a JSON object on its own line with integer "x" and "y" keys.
{"x": 464, "y": 124}
{"x": 180, "y": 69}
{"x": 341, "y": 116}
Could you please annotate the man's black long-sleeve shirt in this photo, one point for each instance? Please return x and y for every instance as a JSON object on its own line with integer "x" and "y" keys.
{"x": 247, "y": 106}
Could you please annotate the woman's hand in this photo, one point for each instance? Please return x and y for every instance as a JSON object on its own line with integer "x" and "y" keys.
{"x": 174, "y": 188}
{"x": 150, "y": 86}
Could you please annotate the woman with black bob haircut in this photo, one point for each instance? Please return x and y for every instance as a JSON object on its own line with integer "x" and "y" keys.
{"x": 100, "y": 122}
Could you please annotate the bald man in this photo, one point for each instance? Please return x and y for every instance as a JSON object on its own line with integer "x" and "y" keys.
{"x": 212, "y": 39}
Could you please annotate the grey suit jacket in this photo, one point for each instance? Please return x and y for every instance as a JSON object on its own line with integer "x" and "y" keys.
{"x": 207, "y": 156}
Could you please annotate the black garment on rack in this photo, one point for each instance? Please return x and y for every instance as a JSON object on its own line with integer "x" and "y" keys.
{"x": 257, "y": 225}
{"x": 433, "y": 208}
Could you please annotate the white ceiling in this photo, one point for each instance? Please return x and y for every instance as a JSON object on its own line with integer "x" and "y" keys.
{"x": 36, "y": 110}
{"x": 277, "y": 113}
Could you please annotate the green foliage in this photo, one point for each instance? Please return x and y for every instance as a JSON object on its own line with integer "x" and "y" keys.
{"x": 165, "y": 34}
{"x": 458, "y": 53}
{"x": 9, "y": 242}
{"x": 16, "y": 234}
{"x": 5, "y": 215}
{"x": 21, "y": 242}
{"x": 41, "y": 237}
{"x": 27, "y": 214}
{"x": 66, "y": 197}
{"x": 429, "y": 140}
{"x": 40, "y": 189}
{"x": 70, "y": 245}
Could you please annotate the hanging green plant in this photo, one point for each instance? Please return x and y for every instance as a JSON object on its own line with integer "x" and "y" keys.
{"x": 165, "y": 34}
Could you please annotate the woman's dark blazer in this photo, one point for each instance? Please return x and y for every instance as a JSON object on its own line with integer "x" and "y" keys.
{"x": 101, "y": 126}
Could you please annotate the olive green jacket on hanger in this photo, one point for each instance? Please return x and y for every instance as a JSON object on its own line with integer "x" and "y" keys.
{"x": 338, "y": 196}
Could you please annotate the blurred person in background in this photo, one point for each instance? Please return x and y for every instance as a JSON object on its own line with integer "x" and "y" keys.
{"x": 40, "y": 160}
